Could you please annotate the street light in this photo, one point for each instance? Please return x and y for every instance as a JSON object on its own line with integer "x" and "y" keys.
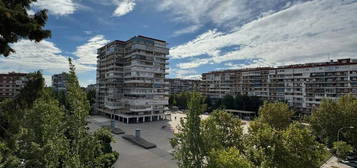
{"x": 339, "y": 130}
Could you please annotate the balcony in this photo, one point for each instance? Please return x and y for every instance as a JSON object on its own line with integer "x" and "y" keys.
{"x": 141, "y": 109}
{"x": 112, "y": 105}
{"x": 138, "y": 102}
{"x": 138, "y": 81}
{"x": 160, "y": 102}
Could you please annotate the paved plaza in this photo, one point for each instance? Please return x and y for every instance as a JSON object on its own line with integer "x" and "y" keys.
{"x": 133, "y": 156}
{"x": 333, "y": 162}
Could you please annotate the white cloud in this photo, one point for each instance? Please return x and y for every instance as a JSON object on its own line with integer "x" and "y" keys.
{"x": 186, "y": 73}
{"x": 44, "y": 56}
{"x": 222, "y": 13}
{"x": 193, "y": 64}
{"x": 124, "y": 7}
{"x": 30, "y": 12}
{"x": 87, "y": 52}
{"x": 306, "y": 32}
{"x": 48, "y": 79}
{"x": 57, "y": 7}
{"x": 186, "y": 30}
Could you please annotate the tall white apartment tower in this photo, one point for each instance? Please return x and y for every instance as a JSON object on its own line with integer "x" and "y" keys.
{"x": 131, "y": 80}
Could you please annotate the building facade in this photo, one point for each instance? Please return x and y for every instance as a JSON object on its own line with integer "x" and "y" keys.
{"x": 302, "y": 86}
{"x": 59, "y": 81}
{"x": 183, "y": 85}
{"x": 11, "y": 84}
{"x": 131, "y": 84}
{"x": 217, "y": 84}
{"x": 91, "y": 87}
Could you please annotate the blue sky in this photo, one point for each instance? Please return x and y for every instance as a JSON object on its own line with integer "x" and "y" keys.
{"x": 203, "y": 35}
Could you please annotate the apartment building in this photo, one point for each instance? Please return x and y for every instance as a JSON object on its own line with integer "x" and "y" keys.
{"x": 11, "y": 84}
{"x": 217, "y": 84}
{"x": 131, "y": 84}
{"x": 91, "y": 87}
{"x": 182, "y": 85}
{"x": 302, "y": 86}
{"x": 59, "y": 81}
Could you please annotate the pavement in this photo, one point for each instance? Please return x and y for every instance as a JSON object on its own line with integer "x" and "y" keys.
{"x": 334, "y": 163}
{"x": 133, "y": 156}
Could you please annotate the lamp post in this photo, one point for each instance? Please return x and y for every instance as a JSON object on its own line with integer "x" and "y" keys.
{"x": 339, "y": 130}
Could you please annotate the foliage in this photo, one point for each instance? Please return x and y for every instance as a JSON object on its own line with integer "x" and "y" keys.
{"x": 228, "y": 102}
{"x": 239, "y": 102}
{"x": 331, "y": 116}
{"x": 277, "y": 115}
{"x": 43, "y": 143}
{"x": 188, "y": 142}
{"x": 222, "y": 130}
{"x": 289, "y": 148}
{"x": 16, "y": 23}
{"x": 303, "y": 150}
{"x": 91, "y": 97}
{"x": 342, "y": 149}
{"x": 48, "y": 134}
{"x": 12, "y": 111}
{"x": 267, "y": 145}
{"x": 181, "y": 100}
{"x": 248, "y": 103}
{"x": 228, "y": 158}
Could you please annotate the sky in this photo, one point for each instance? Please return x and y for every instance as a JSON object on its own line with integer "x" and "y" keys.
{"x": 203, "y": 35}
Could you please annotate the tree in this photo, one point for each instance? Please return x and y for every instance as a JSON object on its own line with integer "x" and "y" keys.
{"x": 187, "y": 143}
{"x": 238, "y": 102}
{"x": 222, "y": 130}
{"x": 277, "y": 115}
{"x": 342, "y": 149}
{"x": 288, "y": 148}
{"x": 331, "y": 116}
{"x": 16, "y": 23}
{"x": 254, "y": 103}
{"x": 36, "y": 131}
{"x": 303, "y": 149}
{"x": 12, "y": 110}
{"x": 43, "y": 143}
{"x": 91, "y": 94}
{"x": 265, "y": 147}
{"x": 228, "y": 102}
{"x": 228, "y": 158}
{"x": 85, "y": 149}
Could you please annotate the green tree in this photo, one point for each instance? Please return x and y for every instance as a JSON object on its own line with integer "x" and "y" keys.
{"x": 42, "y": 140}
{"x": 265, "y": 146}
{"x": 254, "y": 103}
{"x": 47, "y": 134}
{"x": 342, "y": 149}
{"x": 228, "y": 102}
{"x": 238, "y": 102}
{"x": 91, "y": 94}
{"x": 289, "y": 148}
{"x": 228, "y": 158}
{"x": 302, "y": 148}
{"x": 16, "y": 23}
{"x": 188, "y": 143}
{"x": 222, "y": 130}
{"x": 277, "y": 115}
{"x": 85, "y": 149}
{"x": 331, "y": 116}
{"x": 12, "y": 110}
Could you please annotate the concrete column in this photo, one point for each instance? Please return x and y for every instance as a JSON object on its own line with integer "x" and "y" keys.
{"x": 137, "y": 119}
{"x": 150, "y": 118}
